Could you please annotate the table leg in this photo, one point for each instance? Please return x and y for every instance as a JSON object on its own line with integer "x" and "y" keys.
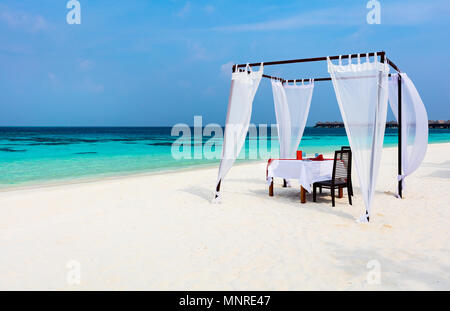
{"x": 302, "y": 195}
{"x": 341, "y": 192}
{"x": 271, "y": 189}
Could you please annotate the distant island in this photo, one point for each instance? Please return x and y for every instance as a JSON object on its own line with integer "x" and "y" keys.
{"x": 434, "y": 124}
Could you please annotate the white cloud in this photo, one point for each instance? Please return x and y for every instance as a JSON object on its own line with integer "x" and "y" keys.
{"x": 319, "y": 17}
{"x": 198, "y": 52}
{"x": 418, "y": 12}
{"x": 184, "y": 84}
{"x": 225, "y": 69}
{"x": 406, "y": 13}
{"x": 84, "y": 85}
{"x": 209, "y": 9}
{"x": 97, "y": 88}
{"x": 185, "y": 10}
{"x": 22, "y": 20}
{"x": 51, "y": 76}
{"x": 92, "y": 87}
{"x": 85, "y": 64}
{"x": 54, "y": 81}
{"x": 209, "y": 91}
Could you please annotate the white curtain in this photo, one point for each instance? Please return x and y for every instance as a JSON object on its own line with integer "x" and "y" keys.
{"x": 414, "y": 123}
{"x": 243, "y": 89}
{"x": 292, "y": 104}
{"x": 362, "y": 93}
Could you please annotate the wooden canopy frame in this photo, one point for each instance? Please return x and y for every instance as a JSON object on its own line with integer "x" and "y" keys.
{"x": 383, "y": 59}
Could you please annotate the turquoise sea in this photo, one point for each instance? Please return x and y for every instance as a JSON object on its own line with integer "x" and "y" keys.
{"x": 33, "y": 155}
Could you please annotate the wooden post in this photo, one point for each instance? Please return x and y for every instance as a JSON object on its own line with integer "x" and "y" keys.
{"x": 400, "y": 134}
{"x": 302, "y": 195}
{"x": 218, "y": 188}
{"x": 341, "y": 193}
{"x": 271, "y": 189}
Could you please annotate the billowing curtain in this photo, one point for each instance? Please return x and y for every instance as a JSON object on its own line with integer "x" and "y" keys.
{"x": 243, "y": 89}
{"x": 362, "y": 93}
{"x": 292, "y": 104}
{"x": 414, "y": 123}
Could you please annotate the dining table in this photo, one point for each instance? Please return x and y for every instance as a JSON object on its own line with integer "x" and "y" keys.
{"x": 306, "y": 172}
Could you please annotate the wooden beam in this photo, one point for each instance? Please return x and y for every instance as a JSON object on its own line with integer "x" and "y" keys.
{"x": 306, "y": 60}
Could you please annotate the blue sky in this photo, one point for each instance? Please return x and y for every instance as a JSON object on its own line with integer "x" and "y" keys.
{"x": 136, "y": 62}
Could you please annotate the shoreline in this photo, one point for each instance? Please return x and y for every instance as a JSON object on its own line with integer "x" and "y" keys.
{"x": 94, "y": 179}
{"x": 33, "y": 185}
{"x": 124, "y": 176}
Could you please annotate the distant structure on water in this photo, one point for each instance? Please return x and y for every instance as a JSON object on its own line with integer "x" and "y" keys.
{"x": 434, "y": 124}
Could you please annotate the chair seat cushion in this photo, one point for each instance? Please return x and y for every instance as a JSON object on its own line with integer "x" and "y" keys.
{"x": 329, "y": 183}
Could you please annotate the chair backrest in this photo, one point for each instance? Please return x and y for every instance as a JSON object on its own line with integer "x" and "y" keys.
{"x": 342, "y": 166}
{"x": 346, "y": 148}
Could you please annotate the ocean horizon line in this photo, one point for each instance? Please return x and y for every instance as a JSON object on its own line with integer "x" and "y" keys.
{"x": 115, "y": 126}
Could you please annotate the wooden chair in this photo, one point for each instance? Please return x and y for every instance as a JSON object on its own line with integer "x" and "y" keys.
{"x": 342, "y": 169}
{"x": 351, "y": 185}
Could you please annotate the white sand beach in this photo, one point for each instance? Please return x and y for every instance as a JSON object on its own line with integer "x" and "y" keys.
{"x": 160, "y": 232}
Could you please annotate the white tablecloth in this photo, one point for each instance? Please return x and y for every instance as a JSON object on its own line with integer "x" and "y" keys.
{"x": 305, "y": 171}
